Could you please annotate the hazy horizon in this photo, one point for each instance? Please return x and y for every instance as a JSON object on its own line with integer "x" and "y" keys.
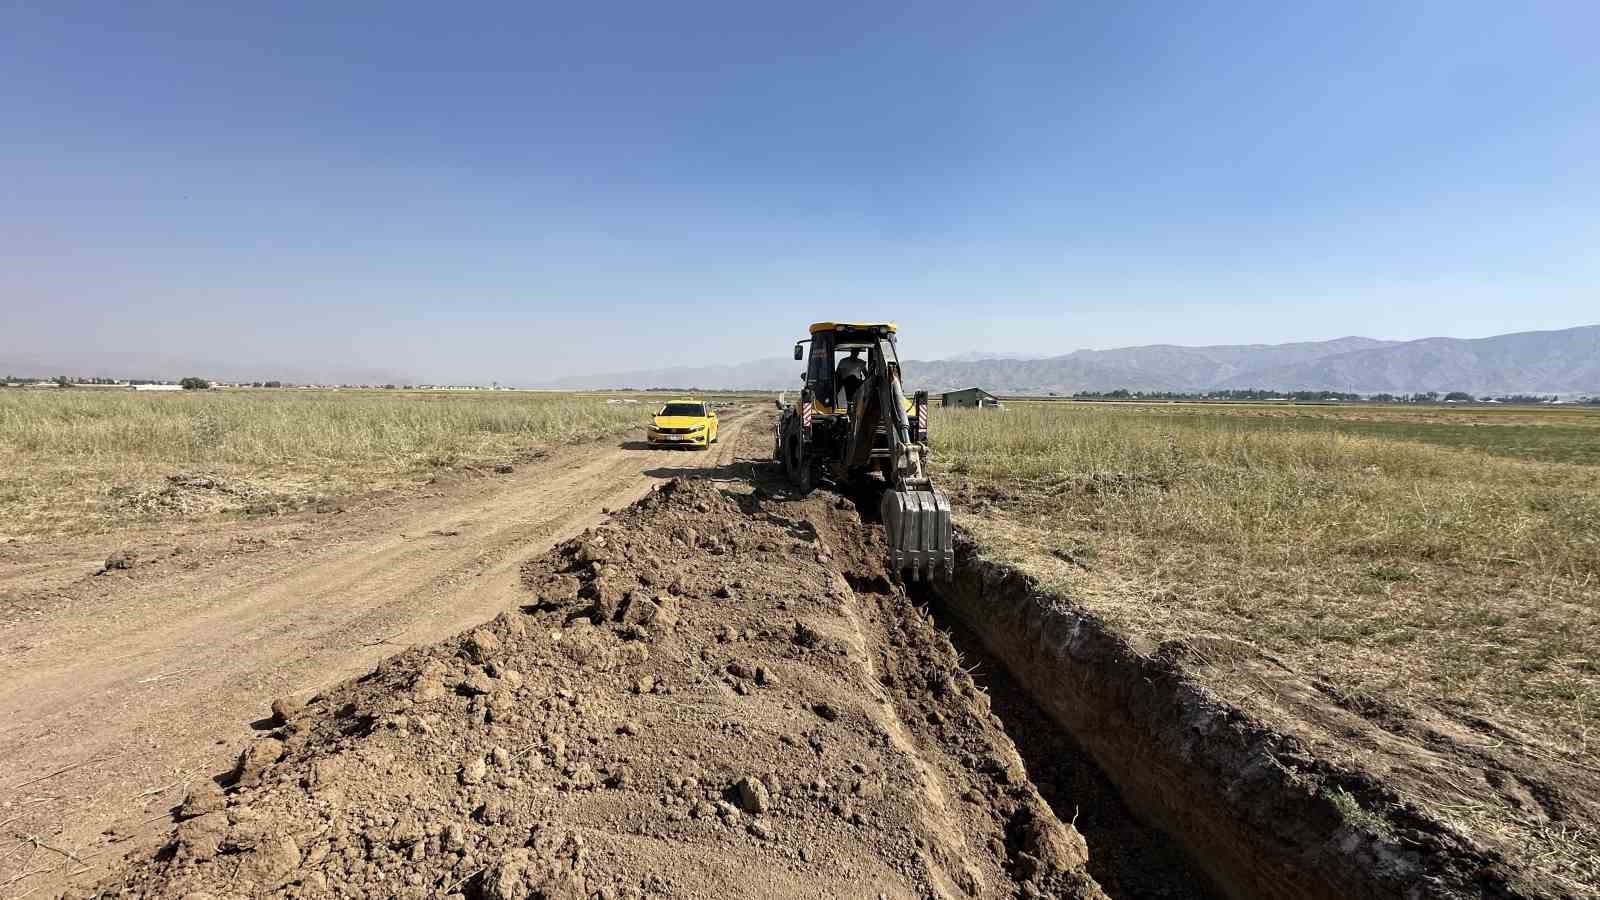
{"x": 515, "y": 194}
{"x": 171, "y": 368}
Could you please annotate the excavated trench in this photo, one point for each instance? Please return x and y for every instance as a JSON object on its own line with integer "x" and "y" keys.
{"x": 1229, "y": 807}
{"x": 1130, "y": 854}
{"x": 1176, "y": 793}
{"x": 1128, "y": 857}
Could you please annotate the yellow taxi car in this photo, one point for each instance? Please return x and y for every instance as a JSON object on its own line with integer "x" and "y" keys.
{"x": 684, "y": 423}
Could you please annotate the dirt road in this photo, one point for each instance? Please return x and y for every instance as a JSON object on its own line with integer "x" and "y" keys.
{"x": 119, "y": 690}
{"x": 716, "y": 693}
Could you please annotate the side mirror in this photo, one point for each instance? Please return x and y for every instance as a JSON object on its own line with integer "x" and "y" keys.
{"x": 799, "y": 354}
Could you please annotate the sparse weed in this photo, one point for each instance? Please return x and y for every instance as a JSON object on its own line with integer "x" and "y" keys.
{"x": 1390, "y": 573}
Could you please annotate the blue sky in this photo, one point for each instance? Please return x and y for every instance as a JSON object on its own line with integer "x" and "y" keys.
{"x": 511, "y": 192}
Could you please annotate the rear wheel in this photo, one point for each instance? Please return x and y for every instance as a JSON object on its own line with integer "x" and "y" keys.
{"x": 795, "y": 464}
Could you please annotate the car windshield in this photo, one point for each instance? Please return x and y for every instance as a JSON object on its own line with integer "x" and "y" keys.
{"x": 683, "y": 409}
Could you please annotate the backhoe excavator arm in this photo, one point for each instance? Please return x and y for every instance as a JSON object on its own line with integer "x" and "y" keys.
{"x": 916, "y": 516}
{"x": 882, "y": 405}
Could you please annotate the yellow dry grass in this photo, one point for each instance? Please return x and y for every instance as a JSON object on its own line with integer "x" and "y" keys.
{"x": 86, "y": 459}
{"x": 1416, "y": 559}
{"x": 1396, "y": 564}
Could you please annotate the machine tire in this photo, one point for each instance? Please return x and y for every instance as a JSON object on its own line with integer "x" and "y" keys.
{"x": 795, "y": 465}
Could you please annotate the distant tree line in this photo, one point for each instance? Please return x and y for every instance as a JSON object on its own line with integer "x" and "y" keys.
{"x": 290, "y": 384}
{"x": 1251, "y": 394}
{"x": 65, "y": 381}
{"x": 1530, "y": 398}
{"x": 191, "y": 383}
{"x": 1259, "y": 394}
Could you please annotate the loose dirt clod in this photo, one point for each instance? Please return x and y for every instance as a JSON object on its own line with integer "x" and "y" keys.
{"x": 203, "y": 798}
{"x": 753, "y": 796}
{"x": 283, "y": 709}
{"x": 255, "y": 759}
{"x": 482, "y": 645}
{"x": 541, "y": 755}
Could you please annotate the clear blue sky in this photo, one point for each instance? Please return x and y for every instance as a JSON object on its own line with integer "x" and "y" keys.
{"x": 477, "y": 192}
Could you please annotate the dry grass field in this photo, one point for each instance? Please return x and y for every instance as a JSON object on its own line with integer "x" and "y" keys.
{"x": 1378, "y": 546}
{"x": 1396, "y": 562}
{"x": 1401, "y": 560}
{"x": 83, "y": 460}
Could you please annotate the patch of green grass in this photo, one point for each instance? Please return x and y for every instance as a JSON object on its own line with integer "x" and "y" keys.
{"x": 1390, "y": 573}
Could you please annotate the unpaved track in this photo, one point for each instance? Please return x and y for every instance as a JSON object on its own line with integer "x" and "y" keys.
{"x": 717, "y": 693}
{"x": 112, "y": 704}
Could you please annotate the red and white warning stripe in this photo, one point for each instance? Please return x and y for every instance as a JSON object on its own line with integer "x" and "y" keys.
{"x": 805, "y": 414}
{"x": 922, "y": 421}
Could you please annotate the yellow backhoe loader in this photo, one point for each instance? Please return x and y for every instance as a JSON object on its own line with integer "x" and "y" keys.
{"x": 854, "y": 421}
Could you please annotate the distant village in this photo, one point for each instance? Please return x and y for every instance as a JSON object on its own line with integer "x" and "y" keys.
{"x": 193, "y": 383}
{"x": 1329, "y": 397}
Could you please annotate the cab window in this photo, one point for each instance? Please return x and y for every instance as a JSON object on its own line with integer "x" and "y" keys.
{"x": 683, "y": 409}
{"x": 820, "y": 373}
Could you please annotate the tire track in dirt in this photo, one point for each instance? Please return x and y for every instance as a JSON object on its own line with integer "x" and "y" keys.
{"x": 140, "y": 692}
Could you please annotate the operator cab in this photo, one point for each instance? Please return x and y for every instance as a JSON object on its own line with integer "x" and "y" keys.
{"x": 838, "y": 348}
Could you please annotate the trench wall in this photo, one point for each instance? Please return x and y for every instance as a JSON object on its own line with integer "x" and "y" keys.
{"x": 1248, "y": 806}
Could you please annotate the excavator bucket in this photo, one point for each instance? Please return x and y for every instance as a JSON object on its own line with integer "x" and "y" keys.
{"x": 917, "y": 525}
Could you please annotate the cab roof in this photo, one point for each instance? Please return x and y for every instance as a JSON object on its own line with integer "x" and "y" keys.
{"x": 821, "y": 327}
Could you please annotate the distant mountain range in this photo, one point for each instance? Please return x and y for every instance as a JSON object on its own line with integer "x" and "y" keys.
{"x": 1537, "y": 362}
{"x": 1531, "y": 362}
{"x": 171, "y": 367}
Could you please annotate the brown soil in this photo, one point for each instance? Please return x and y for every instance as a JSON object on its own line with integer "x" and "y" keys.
{"x": 715, "y": 694}
{"x": 1127, "y": 857}
{"x": 1401, "y": 749}
{"x": 122, "y": 685}
{"x": 1255, "y": 803}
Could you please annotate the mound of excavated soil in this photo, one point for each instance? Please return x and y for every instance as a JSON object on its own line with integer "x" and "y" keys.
{"x": 695, "y": 702}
